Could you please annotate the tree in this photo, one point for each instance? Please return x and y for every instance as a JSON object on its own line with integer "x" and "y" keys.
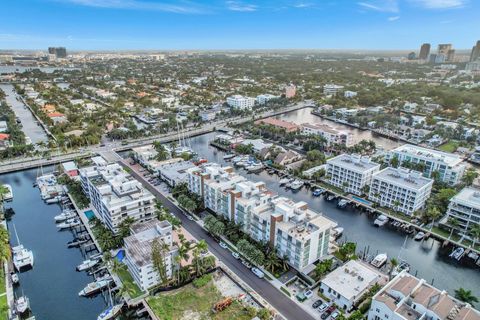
{"x": 162, "y": 153}
{"x": 323, "y": 267}
{"x": 394, "y": 162}
{"x": 158, "y": 251}
{"x": 4, "y": 245}
{"x": 453, "y": 223}
{"x": 475, "y": 233}
{"x": 469, "y": 176}
{"x": 124, "y": 227}
{"x": 272, "y": 262}
{"x": 393, "y": 265}
{"x": 433, "y": 213}
{"x": 465, "y": 296}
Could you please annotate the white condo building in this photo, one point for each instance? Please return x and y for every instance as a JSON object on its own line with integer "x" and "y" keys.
{"x": 331, "y": 89}
{"x": 264, "y": 98}
{"x": 449, "y": 166}
{"x": 115, "y": 194}
{"x": 331, "y": 135}
{"x": 299, "y": 234}
{"x": 400, "y": 189}
{"x": 240, "y": 102}
{"x": 465, "y": 207}
{"x": 351, "y": 172}
{"x": 138, "y": 251}
{"x": 406, "y": 297}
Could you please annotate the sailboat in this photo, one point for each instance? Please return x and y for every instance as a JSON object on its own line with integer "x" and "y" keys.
{"x": 22, "y": 304}
{"x": 21, "y": 257}
{"x": 112, "y": 311}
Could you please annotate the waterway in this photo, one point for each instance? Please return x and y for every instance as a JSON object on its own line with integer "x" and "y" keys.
{"x": 53, "y": 284}
{"x": 428, "y": 259}
{"x": 21, "y": 69}
{"x": 305, "y": 116}
{"x": 30, "y": 125}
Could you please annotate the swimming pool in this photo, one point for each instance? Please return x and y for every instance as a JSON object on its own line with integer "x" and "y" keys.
{"x": 89, "y": 214}
{"x": 368, "y": 203}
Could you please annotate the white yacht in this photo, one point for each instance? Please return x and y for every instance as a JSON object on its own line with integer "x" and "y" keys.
{"x": 8, "y": 196}
{"x": 95, "y": 286}
{"x": 337, "y": 232}
{"x": 87, "y": 264}
{"x": 379, "y": 260}
{"x": 65, "y": 215}
{"x": 111, "y": 312}
{"x": 342, "y": 203}
{"x": 22, "y": 257}
{"x": 296, "y": 185}
{"x": 419, "y": 236}
{"x": 457, "y": 253}
{"x": 254, "y": 167}
{"x": 70, "y": 223}
{"x": 380, "y": 221}
{"x": 284, "y": 181}
{"x": 229, "y": 156}
{"x": 22, "y": 304}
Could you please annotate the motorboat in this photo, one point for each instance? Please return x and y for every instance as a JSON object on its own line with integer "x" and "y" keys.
{"x": 22, "y": 304}
{"x": 95, "y": 286}
{"x": 8, "y": 196}
{"x": 229, "y": 156}
{"x": 337, "y": 232}
{"x": 473, "y": 255}
{"x": 342, "y": 203}
{"x": 380, "y": 221}
{"x": 379, "y": 260}
{"x": 255, "y": 167}
{"x": 87, "y": 264}
{"x": 284, "y": 181}
{"x": 66, "y": 215}
{"x": 237, "y": 159}
{"x": 15, "y": 278}
{"x": 317, "y": 192}
{"x": 330, "y": 197}
{"x": 457, "y": 253}
{"x": 241, "y": 163}
{"x": 296, "y": 185}
{"x": 111, "y": 312}
{"x": 53, "y": 200}
{"x": 22, "y": 257}
{"x": 70, "y": 223}
{"x": 419, "y": 236}
{"x": 403, "y": 265}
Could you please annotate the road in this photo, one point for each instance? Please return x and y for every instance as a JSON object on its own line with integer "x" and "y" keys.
{"x": 276, "y": 298}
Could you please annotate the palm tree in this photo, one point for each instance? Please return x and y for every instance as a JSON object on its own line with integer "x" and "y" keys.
{"x": 393, "y": 264}
{"x": 202, "y": 245}
{"x": 125, "y": 290}
{"x": 475, "y": 232}
{"x": 433, "y": 213}
{"x": 453, "y": 223}
{"x": 465, "y": 296}
{"x": 272, "y": 262}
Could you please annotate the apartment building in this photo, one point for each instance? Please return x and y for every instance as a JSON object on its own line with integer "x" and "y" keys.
{"x": 138, "y": 251}
{"x": 406, "y": 297}
{"x": 450, "y": 167}
{"x": 299, "y": 233}
{"x": 331, "y": 89}
{"x": 331, "y": 135}
{"x": 115, "y": 194}
{"x": 400, "y": 189}
{"x": 264, "y": 98}
{"x": 240, "y": 102}
{"x": 282, "y": 124}
{"x": 465, "y": 207}
{"x": 351, "y": 172}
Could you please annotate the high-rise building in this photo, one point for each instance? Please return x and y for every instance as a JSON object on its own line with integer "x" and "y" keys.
{"x": 424, "y": 51}
{"x": 411, "y": 56}
{"x": 451, "y": 55}
{"x": 475, "y": 52}
{"x": 59, "y": 52}
{"x": 443, "y": 51}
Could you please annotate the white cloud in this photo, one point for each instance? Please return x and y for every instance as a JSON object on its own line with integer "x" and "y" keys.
{"x": 179, "y": 7}
{"x": 379, "y": 5}
{"x": 441, "y": 4}
{"x": 302, "y": 5}
{"x": 240, "y": 6}
{"x": 395, "y": 18}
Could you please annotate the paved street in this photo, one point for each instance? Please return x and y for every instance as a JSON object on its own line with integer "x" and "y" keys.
{"x": 277, "y": 299}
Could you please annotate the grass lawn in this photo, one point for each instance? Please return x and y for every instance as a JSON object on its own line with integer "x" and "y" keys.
{"x": 450, "y": 146}
{"x": 3, "y": 298}
{"x": 127, "y": 281}
{"x": 190, "y": 302}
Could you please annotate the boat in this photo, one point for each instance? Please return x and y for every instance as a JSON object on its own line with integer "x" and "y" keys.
{"x": 241, "y": 163}
{"x": 22, "y": 257}
{"x": 330, "y": 197}
{"x": 95, "y": 286}
{"x": 473, "y": 255}
{"x": 296, "y": 185}
{"x": 8, "y": 196}
{"x": 380, "y": 221}
{"x": 403, "y": 265}
{"x": 53, "y": 200}
{"x": 111, "y": 312}
{"x": 237, "y": 159}
{"x": 229, "y": 156}
{"x": 66, "y": 215}
{"x": 255, "y": 167}
{"x": 284, "y": 181}
{"x": 457, "y": 253}
{"x": 22, "y": 304}
{"x": 379, "y": 260}
{"x": 342, "y": 203}
{"x": 419, "y": 236}
{"x": 15, "y": 278}
{"x": 337, "y": 232}
{"x": 87, "y": 264}
{"x": 317, "y": 192}
{"x": 70, "y": 223}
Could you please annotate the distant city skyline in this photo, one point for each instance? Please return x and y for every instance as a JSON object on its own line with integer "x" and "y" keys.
{"x": 232, "y": 24}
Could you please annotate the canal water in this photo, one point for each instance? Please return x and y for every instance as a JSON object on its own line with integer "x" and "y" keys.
{"x": 30, "y": 126}
{"x": 427, "y": 259}
{"x": 53, "y": 284}
{"x": 305, "y": 116}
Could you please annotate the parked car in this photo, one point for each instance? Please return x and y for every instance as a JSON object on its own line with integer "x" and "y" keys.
{"x": 308, "y": 294}
{"x": 258, "y": 273}
{"x": 335, "y": 315}
{"x": 327, "y": 312}
{"x": 236, "y": 255}
{"x": 317, "y": 304}
{"x": 246, "y": 264}
{"x": 223, "y": 245}
{"x": 323, "y": 307}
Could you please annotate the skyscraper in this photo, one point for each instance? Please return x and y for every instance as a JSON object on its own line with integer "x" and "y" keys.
{"x": 475, "y": 52}
{"x": 59, "y": 52}
{"x": 424, "y": 51}
{"x": 451, "y": 55}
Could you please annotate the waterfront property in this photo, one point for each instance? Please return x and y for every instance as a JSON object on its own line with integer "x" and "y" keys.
{"x": 400, "y": 189}
{"x": 347, "y": 285}
{"x": 299, "y": 234}
{"x": 282, "y": 124}
{"x": 351, "y": 172}
{"x": 138, "y": 251}
{"x": 408, "y": 298}
{"x": 240, "y": 102}
{"x": 331, "y": 135}
{"x": 450, "y": 167}
{"x": 465, "y": 207}
{"x": 115, "y": 194}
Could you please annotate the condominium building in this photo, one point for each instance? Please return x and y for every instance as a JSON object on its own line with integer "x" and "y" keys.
{"x": 115, "y": 194}
{"x": 450, "y": 167}
{"x": 299, "y": 234}
{"x": 138, "y": 251}
{"x": 331, "y": 135}
{"x": 351, "y": 172}
{"x": 290, "y": 91}
{"x": 424, "y": 51}
{"x": 331, "y": 89}
{"x": 264, "y": 98}
{"x": 282, "y": 124}
{"x": 240, "y": 102}
{"x": 465, "y": 207}
{"x": 400, "y": 189}
{"x": 406, "y": 297}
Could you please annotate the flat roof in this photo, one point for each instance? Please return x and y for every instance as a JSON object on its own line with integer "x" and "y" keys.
{"x": 449, "y": 158}
{"x": 469, "y": 196}
{"x": 404, "y": 177}
{"x": 353, "y": 162}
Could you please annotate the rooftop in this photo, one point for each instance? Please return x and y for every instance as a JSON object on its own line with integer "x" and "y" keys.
{"x": 323, "y": 127}
{"x": 448, "y": 158}
{"x": 469, "y": 196}
{"x": 353, "y": 162}
{"x": 404, "y": 177}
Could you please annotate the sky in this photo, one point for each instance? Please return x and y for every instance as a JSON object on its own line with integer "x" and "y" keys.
{"x": 238, "y": 24}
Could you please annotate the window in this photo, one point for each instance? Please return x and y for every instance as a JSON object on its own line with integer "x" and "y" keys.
{"x": 378, "y": 310}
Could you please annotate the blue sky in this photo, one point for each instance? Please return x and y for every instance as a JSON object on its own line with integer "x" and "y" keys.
{"x": 242, "y": 24}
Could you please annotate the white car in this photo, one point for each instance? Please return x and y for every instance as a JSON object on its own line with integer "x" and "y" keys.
{"x": 323, "y": 307}
{"x": 223, "y": 245}
{"x": 246, "y": 264}
{"x": 308, "y": 294}
{"x": 236, "y": 255}
{"x": 258, "y": 272}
